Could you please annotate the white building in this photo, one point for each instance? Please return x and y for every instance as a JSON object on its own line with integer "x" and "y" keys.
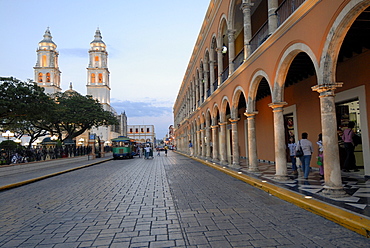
{"x": 141, "y": 133}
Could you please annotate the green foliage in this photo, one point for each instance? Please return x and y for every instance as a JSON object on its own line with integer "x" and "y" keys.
{"x": 76, "y": 113}
{"x": 22, "y": 101}
{"x": 8, "y": 145}
{"x": 26, "y": 109}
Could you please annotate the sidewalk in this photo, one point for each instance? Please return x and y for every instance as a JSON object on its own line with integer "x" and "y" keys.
{"x": 352, "y": 212}
{"x": 19, "y": 174}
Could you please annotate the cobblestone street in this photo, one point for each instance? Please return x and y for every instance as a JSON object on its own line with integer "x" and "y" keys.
{"x": 169, "y": 201}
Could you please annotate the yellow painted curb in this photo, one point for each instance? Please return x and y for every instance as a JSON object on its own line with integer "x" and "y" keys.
{"x": 14, "y": 185}
{"x": 352, "y": 221}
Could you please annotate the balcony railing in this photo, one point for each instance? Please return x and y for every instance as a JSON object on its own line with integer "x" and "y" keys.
{"x": 225, "y": 74}
{"x": 259, "y": 37}
{"x": 215, "y": 85}
{"x": 208, "y": 93}
{"x": 286, "y": 8}
{"x": 238, "y": 59}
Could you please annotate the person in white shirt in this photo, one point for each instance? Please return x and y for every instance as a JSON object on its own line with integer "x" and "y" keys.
{"x": 291, "y": 146}
{"x": 307, "y": 153}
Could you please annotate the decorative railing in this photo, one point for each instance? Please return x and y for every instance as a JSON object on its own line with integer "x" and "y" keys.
{"x": 225, "y": 74}
{"x": 259, "y": 37}
{"x": 286, "y": 8}
{"x": 208, "y": 93}
{"x": 238, "y": 60}
{"x": 215, "y": 85}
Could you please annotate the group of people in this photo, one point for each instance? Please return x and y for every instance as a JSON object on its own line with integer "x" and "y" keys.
{"x": 305, "y": 149}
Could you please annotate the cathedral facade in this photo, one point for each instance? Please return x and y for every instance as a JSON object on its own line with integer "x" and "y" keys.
{"x": 48, "y": 76}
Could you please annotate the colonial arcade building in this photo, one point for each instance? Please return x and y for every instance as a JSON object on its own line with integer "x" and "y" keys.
{"x": 265, "y": 70}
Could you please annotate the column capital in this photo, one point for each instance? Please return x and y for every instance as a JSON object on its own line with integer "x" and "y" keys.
{"x": 214, "y": 126}
{"x": 277, "y": 106}
{"x": 231, "y": 35}
{"x": 326, "y": 90}
{"x": 234, "y": 120}
{"x": 246, "y": 5}
{"x": 222, "y": 123}
{"x": 250, "y": 114}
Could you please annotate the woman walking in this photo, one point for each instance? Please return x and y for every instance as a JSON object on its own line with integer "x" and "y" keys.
{"x": 307, "y": 153}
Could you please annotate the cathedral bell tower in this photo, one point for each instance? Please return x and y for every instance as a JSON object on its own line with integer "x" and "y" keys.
{"x": 97, "y": 72}
{"x": 47, "y": 74}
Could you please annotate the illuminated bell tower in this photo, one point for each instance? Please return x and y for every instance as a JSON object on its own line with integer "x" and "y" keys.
{"x": 47, "y": 74}
{"x": 97, "y": 72}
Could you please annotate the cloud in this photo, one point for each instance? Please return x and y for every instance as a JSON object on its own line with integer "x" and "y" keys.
{"x": 142, "y": 109}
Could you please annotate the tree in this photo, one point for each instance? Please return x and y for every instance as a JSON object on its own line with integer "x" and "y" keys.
{"x": 22, "y": 100}
{"x": 23, "y": 107}
{"x": 76, "y": 113}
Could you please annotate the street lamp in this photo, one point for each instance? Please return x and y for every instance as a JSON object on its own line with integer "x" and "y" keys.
{"x": 8, "y": 135}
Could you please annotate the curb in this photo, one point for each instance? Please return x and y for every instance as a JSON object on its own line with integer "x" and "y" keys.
{"x": 349, "y": 220}
{"x": 14, "y": 185}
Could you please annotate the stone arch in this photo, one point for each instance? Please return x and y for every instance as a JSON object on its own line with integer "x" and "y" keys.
{"x": 239, "y": 90}
{"x": 252, "y": 93}
{"x": 335, "y": 38}
{"x": 283, "y": 67}
{"x": 215, "y": 114}
{"x": 225, "y": 102}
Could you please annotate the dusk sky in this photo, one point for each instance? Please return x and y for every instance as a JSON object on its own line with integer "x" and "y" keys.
{"x": 149, "y": 45}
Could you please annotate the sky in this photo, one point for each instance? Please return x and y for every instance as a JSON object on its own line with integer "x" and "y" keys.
{"x": 149, "y": 44}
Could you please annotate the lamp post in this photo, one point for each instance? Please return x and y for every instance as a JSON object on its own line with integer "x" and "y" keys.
{"x": 8, "y": 135}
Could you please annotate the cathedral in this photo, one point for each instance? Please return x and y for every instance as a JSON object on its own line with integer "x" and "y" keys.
{"x": 47, "y": 75}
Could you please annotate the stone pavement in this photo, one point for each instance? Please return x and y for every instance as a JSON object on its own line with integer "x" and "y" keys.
{"x": 169, "y": 201}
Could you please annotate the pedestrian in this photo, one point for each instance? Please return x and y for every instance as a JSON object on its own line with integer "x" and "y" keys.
{"x": 191, "y": 148}
{"x": 320, "y": 157}
{"x": 158, "y": 152}
{"x": 347, "y": 137}
{"x": 138, "y": 150}
{"x": 292, "y": 146}
{"x": 147, "y": 151}
{"x": 165, "y": 150}
{"x": 307, "y": 153}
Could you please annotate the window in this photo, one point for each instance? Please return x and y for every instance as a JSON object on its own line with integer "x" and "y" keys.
{"x": 142, "y": 130}
{"x": 100, "y": 78}
{"x": 147, "y": 130}
{"x": 48, "y": 77}
{"x": 130, "y": 130}
{"x": 93, "y": 78}
{"x": 43, "y": 61}
{"x": 96, "y": 58}
{"x": 40, "y": 77}
{"x": 137, "y": 130}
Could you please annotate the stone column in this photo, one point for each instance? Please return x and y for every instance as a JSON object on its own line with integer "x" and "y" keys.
{"x": 246, "y": 7}
{"x": 252, "y": 145}
{"x": 272, "y": 5}
{"x": 235, "y": 142}
{"x": 201, "y": 90}
{"x": 207, "y": 143}
{"x": 196, "y": 85}
{"x": 223, "y": 155}
{"x": 202, "y": 131}
{"x": 231, "y": 39}
{"x": 280, "y": 146}
{"x": 215, "y": 143}
{"x": 212, "y": 70}
{"x": 333, "y": 180}
{"x": 206, "y": 79}
{"x": 220, "y": 65}
{"x": 198, "y": 152}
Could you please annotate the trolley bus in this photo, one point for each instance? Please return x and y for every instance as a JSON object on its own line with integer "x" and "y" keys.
{"x": 123, "y": 147}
